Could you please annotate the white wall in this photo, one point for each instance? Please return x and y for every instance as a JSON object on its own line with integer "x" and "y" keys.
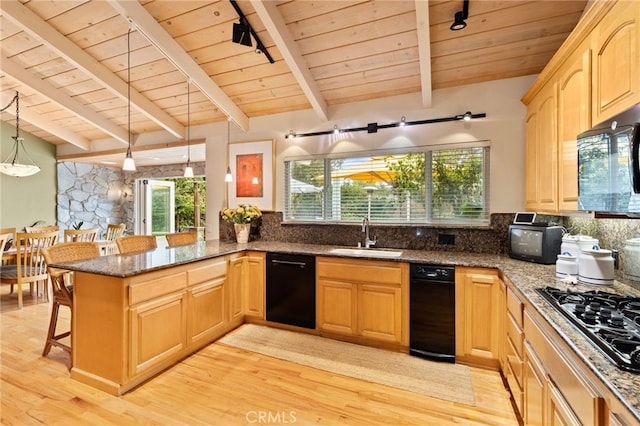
{"x": 503, "y": 127}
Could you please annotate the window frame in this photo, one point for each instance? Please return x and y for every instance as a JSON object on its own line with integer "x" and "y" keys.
{"x": 427, "y": 150}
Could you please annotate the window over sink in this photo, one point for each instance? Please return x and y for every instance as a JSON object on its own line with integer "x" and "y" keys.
{"x": 449, "y": 185}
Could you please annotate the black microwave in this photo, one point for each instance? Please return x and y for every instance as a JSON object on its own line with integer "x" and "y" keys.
{"x": 535, "y": 243}
{"x": 609, "y": 166}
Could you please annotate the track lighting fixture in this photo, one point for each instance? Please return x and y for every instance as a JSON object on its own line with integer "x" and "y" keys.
{"x": 291, "y": 135}
{"x": 129, "y": 164}
{"x": 374, "y": 127}
{"x": 460, "y": 16}
{"x": 242, "y": 33}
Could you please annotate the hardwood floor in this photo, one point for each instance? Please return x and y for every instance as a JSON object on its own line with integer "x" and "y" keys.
{"x": 218, "y": 385}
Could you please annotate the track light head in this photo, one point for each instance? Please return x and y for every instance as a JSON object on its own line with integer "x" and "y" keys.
{"x": 460, "y": 16}
{"x": 403, "y": 121}
{"x": 241, "y": 34}
{"x": 467, "y": 116}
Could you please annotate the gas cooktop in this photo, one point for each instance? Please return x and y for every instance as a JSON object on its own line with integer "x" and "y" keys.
{"x": 611, "y": 321}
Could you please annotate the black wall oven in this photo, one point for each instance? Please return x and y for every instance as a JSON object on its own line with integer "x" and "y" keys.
{"x": 291, "y": 289}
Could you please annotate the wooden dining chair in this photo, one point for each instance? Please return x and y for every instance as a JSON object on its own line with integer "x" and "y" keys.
{"x": 80, "y": 235}
{"x": 114, "y": 231}
{"x": 30, "y": 267}
{"x": 62, "y": 284}
{"x": 10, "y": 233}
{"x": 3, "y": 240}
{"x": 46, "y": 228}
{"x": 136, "y": 243}
{"x": 181, "y": 239}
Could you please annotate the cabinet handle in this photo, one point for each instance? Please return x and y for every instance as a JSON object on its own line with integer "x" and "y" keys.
{"x": 289, "y": 263}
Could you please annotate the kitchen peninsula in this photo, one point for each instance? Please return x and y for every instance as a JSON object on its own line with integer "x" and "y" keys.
{"x": 137, "y": 315}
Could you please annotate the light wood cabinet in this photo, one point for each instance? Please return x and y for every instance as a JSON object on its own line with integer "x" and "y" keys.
{"x": 254, "y": 284}
{"x": 367, "y": 299}
{"x": 206, "y": 292}
{"x": 513, "y": 366}
{"x": 574, "y": 117}
{"x": 541, "y": 165}
{"x": 556, "y": 391}
{"x": 157, "y": 331}
{"x": 479, "y": 316}
{"x": 236, "y": 278}
{"x": 593, "y": 77}
{"x": 616, "y": 61}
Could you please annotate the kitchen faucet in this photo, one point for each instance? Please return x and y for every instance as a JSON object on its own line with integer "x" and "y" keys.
{"x": 365, "y": 228}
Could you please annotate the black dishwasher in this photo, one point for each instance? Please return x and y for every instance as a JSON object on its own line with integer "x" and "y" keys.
{"x": 291, "y": 289}
{"x": 432, "y": 299}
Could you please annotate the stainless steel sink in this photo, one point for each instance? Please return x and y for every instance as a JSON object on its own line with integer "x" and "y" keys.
{"x": 366, "y": 252}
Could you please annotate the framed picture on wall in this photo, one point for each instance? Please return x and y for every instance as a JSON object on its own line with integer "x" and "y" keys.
{"x": 252, "y": 169}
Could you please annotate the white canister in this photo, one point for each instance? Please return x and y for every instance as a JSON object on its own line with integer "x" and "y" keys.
{"x": 575, "y": 243}
{"x": 596, "y": 266}
{"x": 567, "y": 264}
{"x": 631, "y": 252}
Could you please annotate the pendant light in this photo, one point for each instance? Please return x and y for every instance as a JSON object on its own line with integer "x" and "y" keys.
{"x": 188, "y": 170}
{"x": 228, "y": 177}
{"x": 12, "y": 166}
{"x": 129, "y": 164}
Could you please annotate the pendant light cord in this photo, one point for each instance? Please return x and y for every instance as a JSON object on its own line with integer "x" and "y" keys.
{"x": 129, "y": 86}
{"x": 189, "y": 122}
{"x": 15, "y": 99}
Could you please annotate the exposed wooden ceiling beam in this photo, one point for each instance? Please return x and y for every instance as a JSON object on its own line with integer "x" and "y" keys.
{"x": 22, "y": 16}
{"x": 18, "y": 73}
{"x": 39, "y": 121}
{"x": 424, "y": 50}
{"x": 153, "y": 31}
{"x": 275, "y": 25}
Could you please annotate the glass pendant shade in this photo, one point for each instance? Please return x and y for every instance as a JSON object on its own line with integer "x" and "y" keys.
{"x": 129, "y": 165}
{"x": 228, "y": 177}
{"x": 188, "y": 171}
{"x": 12, "y": 166}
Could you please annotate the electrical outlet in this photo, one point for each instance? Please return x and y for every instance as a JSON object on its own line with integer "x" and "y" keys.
{"x": 446, "y": 239}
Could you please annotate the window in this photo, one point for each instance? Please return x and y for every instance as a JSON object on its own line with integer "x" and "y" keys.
{"x": 444, "y": 186}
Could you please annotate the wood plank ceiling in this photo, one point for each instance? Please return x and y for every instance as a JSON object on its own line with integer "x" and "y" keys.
{"x": 68, "y": 59}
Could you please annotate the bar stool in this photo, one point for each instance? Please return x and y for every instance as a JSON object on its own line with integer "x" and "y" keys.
{"x": 62, "y": 282}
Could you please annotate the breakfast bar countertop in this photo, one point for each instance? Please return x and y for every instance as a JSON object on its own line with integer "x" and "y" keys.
{"x": 524, "y": 275}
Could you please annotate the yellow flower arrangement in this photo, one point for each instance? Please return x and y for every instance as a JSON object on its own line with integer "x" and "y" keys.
{"x": 244, "y": 213}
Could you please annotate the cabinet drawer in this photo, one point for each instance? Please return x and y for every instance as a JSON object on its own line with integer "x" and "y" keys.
{"x": 515, "y": 334}
{"x": 156, "y": 286}
{"x": 514, "y": 387}
{"x": 514, "y": 307}
{"x": 214, "y": 269}
{"x": 580, "y": 396}
{"x": 515, "y": 364}
{"x": 374, "y": 272}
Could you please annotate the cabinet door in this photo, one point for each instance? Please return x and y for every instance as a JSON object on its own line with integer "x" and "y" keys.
{"x": 235, "y": 278}
{"x": 534, "y": 389}
{"x": 531, "y": 158}
{"x": 379, "y": 312}
{"x": 616, "y": 61}
{"x": 157, "y": 331}
{"x": 548, "y": 150}
{"x": 336, "y": 306}
{"x": 559, "y": 412}
{"x": 574, "y": 117}
{"x": 482, "y": 314}
{"x": 254, "y": 285}
{"x": 206, "y": 310}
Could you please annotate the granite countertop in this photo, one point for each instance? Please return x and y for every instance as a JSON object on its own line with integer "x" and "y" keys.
{"x": 524, "y": 275}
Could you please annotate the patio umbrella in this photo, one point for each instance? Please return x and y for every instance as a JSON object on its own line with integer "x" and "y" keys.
{"x": 373, "y": 170}
{"x": 298, "y": 187}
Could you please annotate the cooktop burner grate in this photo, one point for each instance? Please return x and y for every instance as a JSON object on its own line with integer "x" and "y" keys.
{"x": 611, "y": 321}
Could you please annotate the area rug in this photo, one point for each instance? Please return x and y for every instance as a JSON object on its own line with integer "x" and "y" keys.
{"x": 450, "y": 382}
